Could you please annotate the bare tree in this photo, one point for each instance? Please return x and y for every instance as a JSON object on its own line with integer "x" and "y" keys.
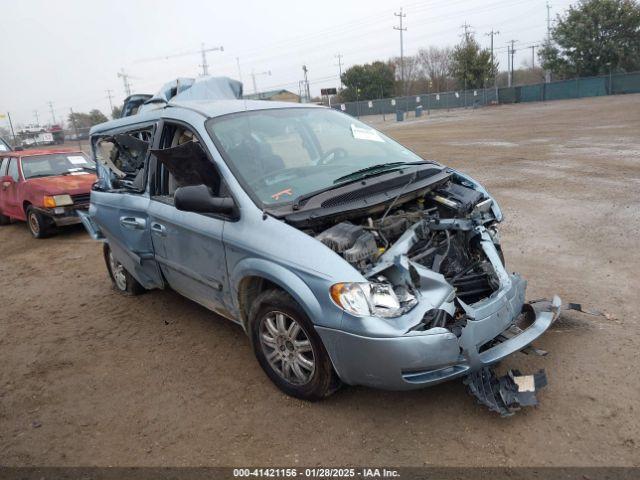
{"x": 413, "y": 76}
{"x": 435, "y": 63}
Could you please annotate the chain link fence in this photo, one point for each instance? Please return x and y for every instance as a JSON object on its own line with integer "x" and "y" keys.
{"x": 579, "y": 87}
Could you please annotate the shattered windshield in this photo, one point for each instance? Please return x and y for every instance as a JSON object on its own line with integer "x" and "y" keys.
{"x": 282, "y": 154}
{"x": 57, "y": 164}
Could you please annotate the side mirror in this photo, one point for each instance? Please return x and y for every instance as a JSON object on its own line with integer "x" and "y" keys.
{"x": 6, "y": 181}
{"x": 198, "y": 198}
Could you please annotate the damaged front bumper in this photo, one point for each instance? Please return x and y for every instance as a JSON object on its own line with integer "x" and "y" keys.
{"x": 63, "y": 216}
{"x": 417, "y": 359}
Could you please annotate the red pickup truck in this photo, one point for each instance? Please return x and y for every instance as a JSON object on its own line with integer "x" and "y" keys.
{"x": 44, "y": 188}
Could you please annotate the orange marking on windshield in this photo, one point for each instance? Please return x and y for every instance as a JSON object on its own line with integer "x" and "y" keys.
{"x": 288, "y": 191}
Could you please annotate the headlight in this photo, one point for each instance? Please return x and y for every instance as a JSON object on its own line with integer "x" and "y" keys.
{"x": 367, "y": 299}
{"x": 51, "y": 201}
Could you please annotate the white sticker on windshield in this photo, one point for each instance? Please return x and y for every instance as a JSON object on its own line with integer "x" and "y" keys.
{"x": 360, "y": 133}
{"x": 77, "y": 159}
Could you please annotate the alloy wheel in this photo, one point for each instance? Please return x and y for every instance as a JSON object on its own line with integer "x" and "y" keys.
{"x": 117, "y": 270}
{"x": 287, "y": 347}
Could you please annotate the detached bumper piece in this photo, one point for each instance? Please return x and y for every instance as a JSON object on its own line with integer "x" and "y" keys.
{"x": 507, "y": 394}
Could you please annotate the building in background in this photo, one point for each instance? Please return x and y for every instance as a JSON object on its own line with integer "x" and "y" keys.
{"x": 275, "y": 95}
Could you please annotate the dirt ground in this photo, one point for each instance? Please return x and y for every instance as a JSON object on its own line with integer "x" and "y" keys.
{"x": 88, "y": 377}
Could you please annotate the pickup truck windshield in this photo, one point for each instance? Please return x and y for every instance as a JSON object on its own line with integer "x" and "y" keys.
{"x": 54, "y": 164}
{"x": 281, "y": 154}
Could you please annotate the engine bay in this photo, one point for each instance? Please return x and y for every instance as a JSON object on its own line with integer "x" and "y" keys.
{"x": 442, "y": 231}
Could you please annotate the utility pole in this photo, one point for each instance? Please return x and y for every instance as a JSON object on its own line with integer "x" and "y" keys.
{"x": 53, "y": 116}
{"x": 339, "y": 57}
{"x": 109, "y": 96}
{"x": 547, "y": 74}
{"x": 35, "y": 112}
{"x": 512, "y": 52}
{"x": 401, "y": 29}
{"x": 125, "y": 80}
{"x": 239, "y": 71}
{"x": 13, "y": 134}
{"x": 306, "y": 82}
{"x": 465, "y": 27}
{"x": 533, "y": 57}
{"x": 253, "y": 77}
{"x": 493, "y": 65}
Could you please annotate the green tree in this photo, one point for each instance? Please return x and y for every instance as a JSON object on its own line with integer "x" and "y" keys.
{"x": 470, "y": 64}
{"x": 116, "y": 112}
{"x": 86, "y": 120}
{"x": 96, "y": 117}
{"x": 594, "y": 37}
{"x": 372, "y": 80}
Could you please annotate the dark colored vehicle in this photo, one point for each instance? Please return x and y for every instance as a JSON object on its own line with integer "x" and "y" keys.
{"x": 45, "y": 188}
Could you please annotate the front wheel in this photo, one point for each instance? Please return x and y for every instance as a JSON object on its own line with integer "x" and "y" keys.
{"x": 122, "y": 280}
{"x": 4, "y": 220}
{"x": 39, "y": 225}
{"x": 288, "y": 348}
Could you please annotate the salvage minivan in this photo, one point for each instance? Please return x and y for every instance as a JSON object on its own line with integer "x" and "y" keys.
{"x": 345, "y": 257}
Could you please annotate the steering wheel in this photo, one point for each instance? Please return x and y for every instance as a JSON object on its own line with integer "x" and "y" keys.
{"x": 337, "y": 153}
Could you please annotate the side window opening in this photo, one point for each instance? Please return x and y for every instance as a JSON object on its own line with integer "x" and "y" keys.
{"x": 13, "y": 169}
{"x": 182, "y": 161}
{"x": 123, "y": 156}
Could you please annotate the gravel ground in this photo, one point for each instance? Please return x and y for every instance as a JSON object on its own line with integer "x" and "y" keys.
{"x": 88, "y": 377}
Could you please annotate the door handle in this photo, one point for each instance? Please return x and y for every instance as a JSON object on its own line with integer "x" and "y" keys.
{"x": 133, "y": 223}
{"x": 159, "y": 229}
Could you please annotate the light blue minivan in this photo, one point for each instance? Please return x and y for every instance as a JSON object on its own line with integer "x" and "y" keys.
{"x": 345, "y": 257}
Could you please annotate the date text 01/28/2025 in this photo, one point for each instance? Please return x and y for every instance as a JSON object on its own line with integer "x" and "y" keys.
{"x": 317, "y": 472}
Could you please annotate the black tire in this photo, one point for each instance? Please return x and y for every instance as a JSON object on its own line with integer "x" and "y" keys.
{"x": 39, "y": 225}
{"x": 122, "y": 281}
{"x": 322, "y": 380}
{"x": 4, "y": 220}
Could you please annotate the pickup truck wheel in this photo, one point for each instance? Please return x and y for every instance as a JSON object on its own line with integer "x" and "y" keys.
{"x": 39, "y": 225}
{"x": 122, "y": 280}
{"x": 288, "y": 348}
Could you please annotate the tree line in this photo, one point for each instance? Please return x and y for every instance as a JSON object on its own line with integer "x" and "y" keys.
{"x": 593, "y": 37}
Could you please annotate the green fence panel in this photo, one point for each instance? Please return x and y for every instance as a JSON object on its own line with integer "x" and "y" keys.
{"x": 532, "y": 93}
{"x": 560, "y": 90}
{"x": 592, "y": 87}
{"x": 625, "y": 83}
{"x": 507, "y": 95}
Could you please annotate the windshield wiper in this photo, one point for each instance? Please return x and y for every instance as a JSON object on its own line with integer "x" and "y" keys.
{"x": 374, "y": 170}
{"x": 354, "y": 177}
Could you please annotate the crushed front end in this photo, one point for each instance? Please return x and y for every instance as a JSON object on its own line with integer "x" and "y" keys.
{"x": 456, "y": 310}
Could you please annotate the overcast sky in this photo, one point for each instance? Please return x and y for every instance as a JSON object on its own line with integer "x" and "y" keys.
{"x": 69, "y": 51}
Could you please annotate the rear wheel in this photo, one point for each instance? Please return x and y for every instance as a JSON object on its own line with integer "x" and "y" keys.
{"x": 288, "y": 348}
{"x": 122, "y": 280}
{"x": 39, "y": 225}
